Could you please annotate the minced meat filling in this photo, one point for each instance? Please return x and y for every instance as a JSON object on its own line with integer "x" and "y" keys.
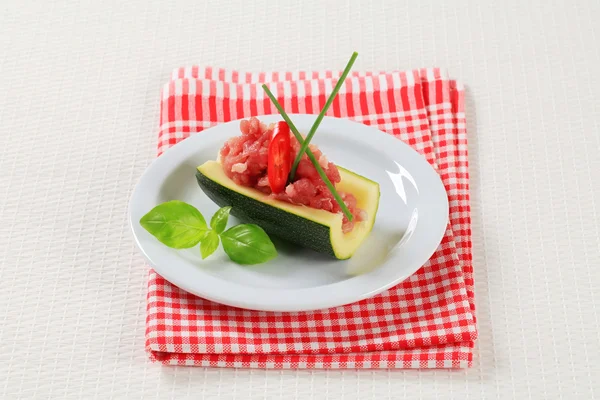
{"x": 245, "y": 158}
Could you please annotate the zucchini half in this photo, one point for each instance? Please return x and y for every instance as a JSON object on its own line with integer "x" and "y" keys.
{"x": 318, "y": 230}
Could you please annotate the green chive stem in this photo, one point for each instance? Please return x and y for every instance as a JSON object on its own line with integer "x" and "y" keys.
{"x": 317, "y": 122}
{"x": 310, "y": 154}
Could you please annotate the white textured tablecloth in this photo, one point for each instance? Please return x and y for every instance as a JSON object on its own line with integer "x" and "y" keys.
{"x": 79, "y": 87}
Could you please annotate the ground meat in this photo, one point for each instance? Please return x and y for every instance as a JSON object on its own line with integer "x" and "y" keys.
{"x": 244, "y": 159}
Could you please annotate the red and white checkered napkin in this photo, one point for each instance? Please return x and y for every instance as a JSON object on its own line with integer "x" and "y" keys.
{"x": 425, "y": 322}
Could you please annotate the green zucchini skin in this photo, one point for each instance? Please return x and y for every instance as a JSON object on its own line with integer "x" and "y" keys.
{"x": 274, "y": 221}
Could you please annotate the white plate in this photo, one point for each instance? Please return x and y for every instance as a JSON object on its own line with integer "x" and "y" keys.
{"x": 410, "y": 224}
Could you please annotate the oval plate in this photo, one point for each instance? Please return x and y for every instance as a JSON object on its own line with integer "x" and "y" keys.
{"x": 410, "y": 223}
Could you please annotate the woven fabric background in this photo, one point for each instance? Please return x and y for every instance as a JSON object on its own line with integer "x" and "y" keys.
{"x": 80, "y": 82}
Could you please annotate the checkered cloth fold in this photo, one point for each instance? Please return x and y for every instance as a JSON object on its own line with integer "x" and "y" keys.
{"x": 426, "y": 321}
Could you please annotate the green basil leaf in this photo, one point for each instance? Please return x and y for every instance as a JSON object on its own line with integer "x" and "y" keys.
{"x": 209, "y": 244}
{"x": 248, "y": 244}
{"x": 175, "y": 224}
{"x": 219, "y": 221}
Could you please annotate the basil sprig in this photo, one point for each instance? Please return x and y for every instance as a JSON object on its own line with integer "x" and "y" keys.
{"x": 179, "y": 225}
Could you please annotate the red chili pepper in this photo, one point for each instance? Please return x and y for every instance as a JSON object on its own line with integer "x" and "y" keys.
{"x": 280, "y": 161}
